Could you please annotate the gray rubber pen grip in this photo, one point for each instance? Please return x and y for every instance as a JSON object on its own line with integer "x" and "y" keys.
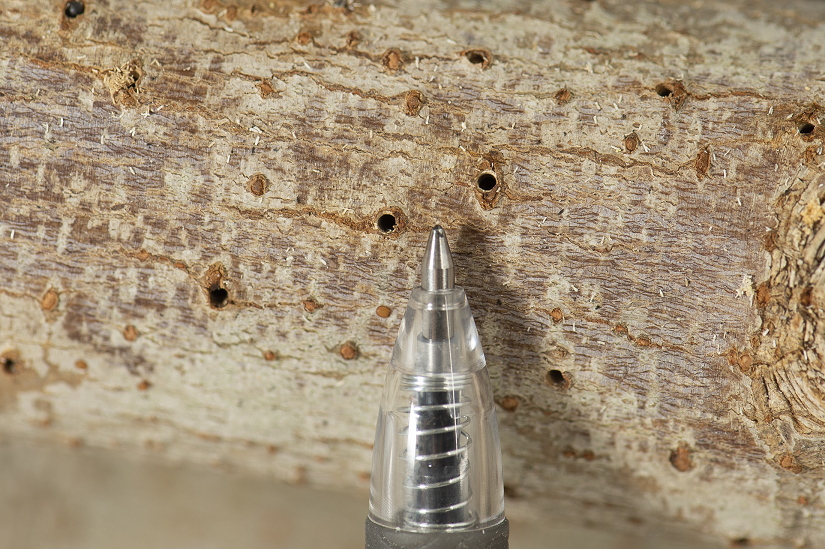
{"x": 381, "y": 537}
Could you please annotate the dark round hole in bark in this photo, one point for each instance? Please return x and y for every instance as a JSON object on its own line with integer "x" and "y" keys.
{"x": 807, "y": 128}
{"x": 74, "y": 8}
{"x": 486, "y": 182}
{"x": 386, "y": 223}
{"x": 475, "y": 57}
{"x": 556, "y": 378}
{"x": 8, "y": 365}
{"x": 664, "y": 90}
{"x": 218, "y": 297}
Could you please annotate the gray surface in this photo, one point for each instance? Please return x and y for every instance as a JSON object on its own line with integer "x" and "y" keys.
{"x": 54, "y": 496}
{"x": 381, "y": 537}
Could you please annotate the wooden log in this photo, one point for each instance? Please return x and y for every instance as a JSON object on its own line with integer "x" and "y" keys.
{"x": 213, "y": 214}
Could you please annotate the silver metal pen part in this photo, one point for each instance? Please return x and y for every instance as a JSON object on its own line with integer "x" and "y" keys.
{"x": 437, "y": 267}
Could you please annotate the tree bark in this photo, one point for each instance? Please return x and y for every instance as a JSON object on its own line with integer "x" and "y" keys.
{"x": 213, "y": 215}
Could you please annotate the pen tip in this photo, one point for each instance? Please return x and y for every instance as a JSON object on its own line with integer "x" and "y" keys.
{"x": 437, "y": 268}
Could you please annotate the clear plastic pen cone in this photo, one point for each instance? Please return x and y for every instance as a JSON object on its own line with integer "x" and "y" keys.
{"x": 437, "y": 457}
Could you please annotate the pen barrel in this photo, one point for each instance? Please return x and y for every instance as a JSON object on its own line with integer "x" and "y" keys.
{"x": 382, "y": 537}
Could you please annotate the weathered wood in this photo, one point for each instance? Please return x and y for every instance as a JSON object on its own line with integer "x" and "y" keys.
{"x": 205, "y": 206}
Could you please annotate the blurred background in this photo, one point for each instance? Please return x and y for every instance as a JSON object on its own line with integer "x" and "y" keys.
{"x": 63, "y": 497}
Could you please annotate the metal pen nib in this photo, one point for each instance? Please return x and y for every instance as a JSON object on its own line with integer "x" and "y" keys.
{"x": 437, "y": 267}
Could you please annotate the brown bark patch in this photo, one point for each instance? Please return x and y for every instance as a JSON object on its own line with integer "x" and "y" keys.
{"x": 210, "y": 6}
{"x": 789, "y": 463}
{"x": 353, "y": 38}
{"x": 805, "y": 297}
{"x": 556, "y": 353}
{"x": 556, "y": 315}
{"x": 144, "y": 385}
{"x": 303, "y": 38}
{"x": 631, "y": 142}
{"x": 763, "y": 294}
{"x": 392, "y": 59}
{"x": 562, "y": 96}
{"x": 680, "y": 458}
{"x": 130, "y": 333}
{"x": 702, "y": 163}
{"x": 745, "y": 361}
{"x": 479, "y": 56}
{"x": 413, "y": 101}
{"x": 311, "y": 305}
{"x": 348, "y": 350}
{"x": 769, "y": 242}
{"x": 49, "y": 300}
{"x": 383, "y": 311}
{"x": 123, "y": 83}
{"x": 258, "y": 184}
{"x": 620, "y": 329}
{"x": 270, "y": 356}
{"x": 265, "y": 89}
{"x": 509, "y": 403}
{"x": 81, "y": 365}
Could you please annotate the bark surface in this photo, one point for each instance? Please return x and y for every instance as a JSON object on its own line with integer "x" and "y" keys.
{"x": 213, "y": 213}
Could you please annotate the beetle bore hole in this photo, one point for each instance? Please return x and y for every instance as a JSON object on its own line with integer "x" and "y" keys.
{"x": 218, "y": 297}
{"x": 664, "y": 90}
{"x": 8, "y": 365}
{"x": 807, "y": 128}
{"x": 74, "y": 8}
{"x": 386, "y": 223}
{"x": 486, "y": 182}
{"x": 556, "y": 378}
{"x": 475, "y": 58}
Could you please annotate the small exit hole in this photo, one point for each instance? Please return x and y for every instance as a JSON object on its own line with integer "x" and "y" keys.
{"x": 8, "y": 365}
{"x": 218, "y": 297}
{"x": 486, "y": 182}
{"x": 386, "y": 223}
{"x": 555, "y": 377}
{"x": 664, "y": 90}
{"x": 807, "y": 128}
{"x": 475, "y": 58}
{"x": 74, "y": 8}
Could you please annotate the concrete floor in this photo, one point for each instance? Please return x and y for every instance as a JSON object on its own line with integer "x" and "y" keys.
{"x": 57, "y": 497}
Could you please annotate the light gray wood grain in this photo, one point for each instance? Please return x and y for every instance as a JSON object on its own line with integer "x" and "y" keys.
{"x": 191, "y": 195}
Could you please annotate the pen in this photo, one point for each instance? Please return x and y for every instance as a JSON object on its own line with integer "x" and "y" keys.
{"x": 436, "y": 471}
